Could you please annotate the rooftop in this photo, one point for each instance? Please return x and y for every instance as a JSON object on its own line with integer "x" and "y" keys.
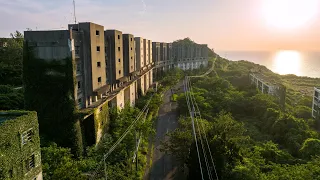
{"x": 7, "y": 115}
{"x": 267, "y": 80}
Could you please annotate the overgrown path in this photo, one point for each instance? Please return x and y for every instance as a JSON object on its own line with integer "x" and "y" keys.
{"x": 163, "y": 165}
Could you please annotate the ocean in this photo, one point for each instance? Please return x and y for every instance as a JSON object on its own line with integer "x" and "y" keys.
{"x": 281, "y": 62}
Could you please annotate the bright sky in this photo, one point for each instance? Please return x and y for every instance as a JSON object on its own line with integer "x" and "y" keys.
{"x": 222, "y": 24}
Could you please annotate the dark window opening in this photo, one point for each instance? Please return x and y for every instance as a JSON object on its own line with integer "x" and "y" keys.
{"x": 30, "y": 163}
{"x": 26, "y": 136}
{"x": 99, "y": 79}
{"x": 118, "y": 48}
{"x": 119, "y": 71}
{"x": 79, "y": 100}
{"x": 119, "y": 60}
{"x": 97, "y": 33}
{"x": 99, "y": 64}
{"x": 131, "y": 40}
{"x": 98, "y": 48}
{"x": 79, "y": 84}
{"x": 118, "y": 36}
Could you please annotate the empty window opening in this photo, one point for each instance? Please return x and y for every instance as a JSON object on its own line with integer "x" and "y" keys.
{"x": 30, "y": 163}
{"x": 97, "y": 33}
{"x": 79, "y": 84}
{"x": 98, "y": 48}
{"x": 99, "y": 79}
{"x": 98, "y": 64}
{"x": 26, "y": 136}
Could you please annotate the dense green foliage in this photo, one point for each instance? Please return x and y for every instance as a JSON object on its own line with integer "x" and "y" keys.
{"x": 11, "y": 72}
{"x": 57, "y": 160}
{"x": 12, "y": 153}
{"x": 249, "y": 136}
{"x": 50, "y": 84}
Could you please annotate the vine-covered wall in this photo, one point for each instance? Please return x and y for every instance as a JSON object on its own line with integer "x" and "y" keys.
{"x": 49, "y": 90}
{"x": 12, "y": 153}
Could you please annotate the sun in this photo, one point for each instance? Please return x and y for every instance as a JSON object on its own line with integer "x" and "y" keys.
{"x": 289, "y": 14}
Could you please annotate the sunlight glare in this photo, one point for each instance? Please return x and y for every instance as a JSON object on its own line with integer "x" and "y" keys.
{"x": 289, "y": 14}
{"x": 287, "y": 62}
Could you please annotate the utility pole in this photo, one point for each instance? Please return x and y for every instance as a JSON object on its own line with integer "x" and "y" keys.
{"x": 74, "y": 12}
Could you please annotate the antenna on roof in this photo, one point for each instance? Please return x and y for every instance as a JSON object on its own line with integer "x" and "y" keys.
{"x": 74, "y": 12}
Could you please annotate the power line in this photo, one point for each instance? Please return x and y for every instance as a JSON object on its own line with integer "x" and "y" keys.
{"x": 193, "y": 128}
{"x": 205, "y": 136}
{"x": 199, "y": 130}
{"x": 196, "y": 112}
{"x": 120, "y": 139}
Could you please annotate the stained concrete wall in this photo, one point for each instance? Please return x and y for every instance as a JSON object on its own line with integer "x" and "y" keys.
{"x": 128, "y": 54}
{"x": 114, "y": 55}
{"x": 132, "y": 94}
{"x": 139, "y": 53}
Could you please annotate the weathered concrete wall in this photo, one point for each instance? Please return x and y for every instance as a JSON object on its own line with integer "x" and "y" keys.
{"x": 139, "y": 53}
{"x": 133, "y": 94}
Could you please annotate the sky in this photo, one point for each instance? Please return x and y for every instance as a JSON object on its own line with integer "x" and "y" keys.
{"x": 222, "y": 24}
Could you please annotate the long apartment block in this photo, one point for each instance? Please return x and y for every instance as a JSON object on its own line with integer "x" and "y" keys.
{"x": 190, "y": 56}
{"x": 316, "y": 103}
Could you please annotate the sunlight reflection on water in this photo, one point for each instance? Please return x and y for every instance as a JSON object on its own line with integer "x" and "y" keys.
{"x": 287, "y": 62}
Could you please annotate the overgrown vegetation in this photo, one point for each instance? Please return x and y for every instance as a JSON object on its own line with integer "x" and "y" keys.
{"x": 120, "y": 165}
{"x": 250, "y": 137}
{"x": 11, "y": 72}
{"x": 13, "y": 154}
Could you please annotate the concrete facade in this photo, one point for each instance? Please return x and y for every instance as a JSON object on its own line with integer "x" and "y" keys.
{"x": 147, "y": 81}
{"x": 190, "y": 56}
{"x": 128, "y": 54}
{"x": 118, "y": 100}
{"x": 132, "y": 94}
{"x": 141, "y": 86}
{"x": 316, "y": 103}
{"x": 156, "y": 52}
{"x": 150, "y": 77}
{"x": 90, "y": 60}
{"x": 80, "y": 44}
{"x": 146, "y": 51}
{"x": 139, "y": 53}
{"x": 163, "y": 52}
{"x": 150, "y": 52}
{"x": 114, "y": 58}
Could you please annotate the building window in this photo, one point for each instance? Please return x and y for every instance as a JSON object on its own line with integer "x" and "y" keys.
{"x": 78, "y": 68}
{"x": 97, "y": 33}
{"x": 131, "y": 48}
{"x": 131, "y": 57}
{"x": 26, "y": 136}
{"x": 98, "y": 48}
{"x": 30, "y": 163}
{"x": 99, "y": 79}
{"x": 118, "y": 48}
{"x": 79, "y": 84}
{"x": 131, "y": 40}
{"x": 77, "y": 50}
{"x": 131, "y": 67}
{"x": 98, "y": 64}
{"x": 118, "y": 36}
{"x": 119, "y": 60}
{"x": 119, "y": 71}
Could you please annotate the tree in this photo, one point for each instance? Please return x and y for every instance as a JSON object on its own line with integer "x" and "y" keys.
{"x": 310, "y": 147}
{"x": 58, "y": 164}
